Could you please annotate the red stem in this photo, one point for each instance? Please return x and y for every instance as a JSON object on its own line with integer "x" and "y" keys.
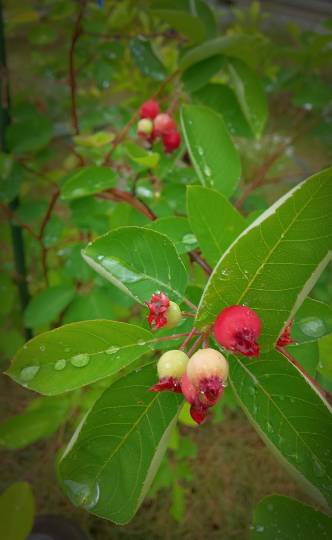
{"x": 195, "y": 345}
{"x": 187, "y": 340}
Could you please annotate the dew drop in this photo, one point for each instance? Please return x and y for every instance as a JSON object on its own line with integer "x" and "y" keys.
{"x": 189, "y": 239}
{"x": 80, "y": 360}
{"x": 141, "y": 342}
{"x": 200, "y": 150}
{"x": 312, "y": 327}
{"x": 83, "y": 494}
{"x": 269, "y": 427}
{"x": 259, "y": 528}
{"x": 112, "y": 350}
{"x": 42, "y": 348}
{"x": 319, "y": 469}
{"x": 252, "y": 390}
{"x": 207, "y": 171}
{"x": 60, "y": 364}
{"x": 28, "y": 373}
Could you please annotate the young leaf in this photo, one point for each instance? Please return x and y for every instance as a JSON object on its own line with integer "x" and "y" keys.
{"x": 199, "y": 74}
{"x": 78, "y": 354}
{"x": 112, "y": 459}
{"x": 222, "y": 99}
{"x": 212, "y": 152}
{"x": 287, "y": 519}
{"x": 290, "y": 417}
{"x": 40, "y": 419}
{"x": 250, "y": 94}
{"x": 146, "y": 60}
{"x": 313, "y": 321}
{"x": 46, "y": 306}
{"x": 275, "y": 262}
{"x": 87, "y": 181}
{"x": 138, "y": 261}
{"x": 214, "y": 220}
{"x": 17, "y": 509}
{"x": 141, "y": 156}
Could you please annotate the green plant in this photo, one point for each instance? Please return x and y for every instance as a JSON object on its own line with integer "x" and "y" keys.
{"x": 199, "y": 224}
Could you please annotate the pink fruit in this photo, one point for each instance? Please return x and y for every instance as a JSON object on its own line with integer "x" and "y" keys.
{"x": 163, "y": 123}
{"x": 171, "y": 140}
{"x": 237, "y": 328}
{"x": 149, "y": 109}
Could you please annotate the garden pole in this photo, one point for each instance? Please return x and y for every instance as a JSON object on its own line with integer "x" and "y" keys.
{"x": 16, "y": 231}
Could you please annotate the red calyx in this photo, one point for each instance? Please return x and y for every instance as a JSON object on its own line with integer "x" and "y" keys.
{"x": 171, "y": 140}
{"x": 286, "y": 338}
{"x": 158, "y": 307}
{"x": 149, "y": 109}
{"x": 211, "y": 390}
{"x": 198, "y": 411}
{"x": 237, "y": 328}
{"x": 167, "y": 383}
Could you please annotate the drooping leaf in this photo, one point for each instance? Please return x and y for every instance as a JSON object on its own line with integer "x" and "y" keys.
{"x": 275, "y": 262}
{"x": 111, "y": 461}
{"x": 199, "y": 74}
{"x": 290, "y": 417}
{"x": 87, "y": 181}
{"x": 146, "y": 60}
{"x": 78, "y": 354}
{"x": 250, "y": 94}
{"x": 282, "y": 518}
{"x": 47, "y": 305}
{"x": 139, "y": 261}
{"x": 17, "y": 509}
{"x": 212, "y": 152}
{"x": 178, "y": 230}
{"x": 214, "y": 220}
{"x": 39, "y": 420}
{"x": 222, "y": 99}
{"x": 313, "y": 320}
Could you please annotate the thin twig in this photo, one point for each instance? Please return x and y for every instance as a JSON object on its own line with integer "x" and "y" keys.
{"x": 187, "y": 340}
{"x": 48, "y": 213}
{"x": 195, "y": 256}
{"x": 195, "y": 345}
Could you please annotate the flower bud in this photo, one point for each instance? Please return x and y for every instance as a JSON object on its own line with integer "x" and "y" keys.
{"x": 237, "y": 328}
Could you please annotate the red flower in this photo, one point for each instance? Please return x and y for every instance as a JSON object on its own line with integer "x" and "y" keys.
{"x": 158, "y": 307}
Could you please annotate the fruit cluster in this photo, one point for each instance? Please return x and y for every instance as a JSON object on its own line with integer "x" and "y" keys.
{"x": 155, "y": 124}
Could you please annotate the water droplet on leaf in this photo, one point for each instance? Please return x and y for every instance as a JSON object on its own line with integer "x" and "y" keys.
{"x": 83, "y": 494}
{"x": 60, "y": 364}
{"x": 112, "y": 350}
{"x": 80, "y": 360}
{"x": 28, "y": 373}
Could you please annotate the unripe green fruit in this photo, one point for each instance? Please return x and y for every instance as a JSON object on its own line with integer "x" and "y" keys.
{"x": 207, "y": 363}
{"x": 145, "y": 126}
{"x": 172, "y": 364}
{"x": 173, "y": 315}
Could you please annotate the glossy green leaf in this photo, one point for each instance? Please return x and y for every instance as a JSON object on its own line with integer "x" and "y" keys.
{"x": 175, "y": 12}
{"x": 214, "y": 220}
{"x": 39, "y": 420}
{"x": 199, "y": 74}
{"x": 141, "y": 156}
{"x": 94, "y": 140}
{"x": 87, "y": 181}
{"x": 307, "y": 354}
{"x": 146, "y": 59}
{"x": 236, "y": 45}
{"x": 275, "y": 262}
{"x": 112, "y": 459}
{"x": 312, "y": 321}
{"x": 47, "y": 305}
{"x": 138, "y": 261}
{"x": 250, "y": 94}
{"x": 96, "y": 304}
{"x": 282, "y": 518}
{"x": 78, "y": 354}
{"x": 183, "y": 22}
{"x": 324, "y": 375}
{"x": 212, "y": 152}
{"x": 289, "y": 415}
{"x": 178, "y": 230}
{"x": 222, "y": 99}
{"x": 17, "y": 509}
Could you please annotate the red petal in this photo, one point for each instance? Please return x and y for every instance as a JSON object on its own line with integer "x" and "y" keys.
{"x": 167, "y": 383}
{"x": 198, "y": 411}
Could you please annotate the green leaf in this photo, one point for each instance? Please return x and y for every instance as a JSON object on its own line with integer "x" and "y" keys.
{"x": 112, "y": 459}
{"x": 199, "y": 74}
{"x": 141, "y": 156}
{"x": 313, "y": 320}
{"x": 289, "y": 415}
{"x": 30, "y": 134}
{"x": 214, "y": 220}
{"x": 94, "y": 140}
{"x": 250, "y": 94}
{"x": 138, "y": 261}
{"x": 146, "y": 60}
{"x": 178, "y": 230}
{"x": 235, "y": 45}
{"x": 87, "y": 181}
{"x": 183, "y": 22}
{"x": 212, "y": 152}
{"x": 39, "y": 420}
{"x": 175, "y": 12}
{"x": 96, "y": 304}
{"x": 17, "y": 509}
{"x": 11, "y": 176}
{"x": 282, "y": 518}
{"x": 222, "y": 99}
{"x": 307, "y": 354}
{"x": 47, "y": 305}
{"x": 274, "y": 263}
{"x": 324, "y": 375}
{"x": 78, "y": 354}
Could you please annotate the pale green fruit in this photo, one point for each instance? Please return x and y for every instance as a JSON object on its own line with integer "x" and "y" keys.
{"x": 145, "y": 126}
{"x": 207, "y": 363}
{"x": 173, "y": 315}
{"x": 172, "y": 364}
